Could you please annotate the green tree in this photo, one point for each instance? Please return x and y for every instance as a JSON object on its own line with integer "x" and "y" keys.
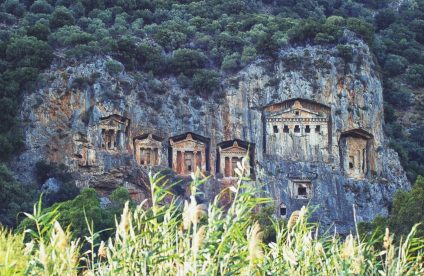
{"x": 187, "y": 60}
{"x": 61, "y": 17}
{"x": 231, "y": 62}
{"x": 395, "y": 65}
{"x": 39, "y": 30}
{"x": 14, "y": 197}
{"x": 28, "y": 51}
{"x": 150, "y": 58}
{"x": 73, "y": 213}
{"x": 205, "y": 81}
{"x": 408, "y": 209}
{"x": 415, "y": 75}
{"x": 248, "y": 55}
{"x": 364, "y": 29}
{"x": 41, "y": 6}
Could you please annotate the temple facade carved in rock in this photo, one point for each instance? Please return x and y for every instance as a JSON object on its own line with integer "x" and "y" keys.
{"x": 114, "y": 132}
{"x": 147, "y": 150}
{"x": 188, "y": 152}
{"x": 229, "y": 153}
{"x": 298, "y": 130}
{"x": 356, "y": 153}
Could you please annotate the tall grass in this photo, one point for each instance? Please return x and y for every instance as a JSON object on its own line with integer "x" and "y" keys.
{"x": 194, "y": 239}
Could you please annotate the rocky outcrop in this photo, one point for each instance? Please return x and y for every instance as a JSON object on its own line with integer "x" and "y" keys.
{"x": 315, "y": 123}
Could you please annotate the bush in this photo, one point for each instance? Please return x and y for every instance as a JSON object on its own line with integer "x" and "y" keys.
{"x": 125, "y": 52}
{"x": 14, "y": 198}
{"x": 395, "y": 65}
{"x": 41, "y": 6}
{"x": 70, "y": 36}
{"x": 415, "y": 75}
{"x": 345, "y": 52}
{"x": 187, "y": 60}
{"x": 61, "y": 17}
{"x": 114, "y": 67}
{"x": 249, "y": 54}
{"x": 407, "y": 209}
{"x": 73, "y": 214}
{"x": 39, "y": 30}
{"x": 150, "y": 58}
{"x": 205, "y": 81}
{"x": 362, "y": 28}
{"x": 231, "y": 62}
{"x": 28, "y": 51}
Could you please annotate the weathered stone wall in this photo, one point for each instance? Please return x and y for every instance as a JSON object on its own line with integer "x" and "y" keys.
{"x": 62, "y": 122}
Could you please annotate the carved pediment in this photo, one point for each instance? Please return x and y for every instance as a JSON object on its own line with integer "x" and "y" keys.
{"x": 114, "y": 121}
{"x": 187, "y": 140}
{"x": 148, "y": 140}
{"x": 302, "y": 176}
{"x": 235, "y": 148}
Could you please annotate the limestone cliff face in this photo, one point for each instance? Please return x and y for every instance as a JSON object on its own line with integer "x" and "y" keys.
{"x": 313, "y": 124}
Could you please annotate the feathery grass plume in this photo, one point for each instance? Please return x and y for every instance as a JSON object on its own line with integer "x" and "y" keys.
{"x": 102, "y": 252}
{"x": 348, "y": 249}
{"x": 192, "y": 212}
{"x": 254, "y": 243}
{"x": 293, "y": 219}
{"x": 59, "y": 238}
{"x": 123, "y": 226}
{"x": 198, "y": 239}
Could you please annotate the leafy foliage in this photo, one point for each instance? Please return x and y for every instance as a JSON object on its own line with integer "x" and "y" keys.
{"x": 73, "y": 213}
{"x": 14, "y": 198}
{"x": 406, "y": 212}
{"x": 170, "y": 239}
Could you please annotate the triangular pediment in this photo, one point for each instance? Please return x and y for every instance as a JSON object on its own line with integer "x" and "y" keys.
{"x": 114, "y": 120}
{"x": 234, "y": 147}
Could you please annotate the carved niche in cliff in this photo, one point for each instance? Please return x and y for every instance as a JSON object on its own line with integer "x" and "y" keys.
{"x": 147, "y": 150}
{"x": 187, "y": 152}
{"x": 283, "y": 210}
{"x": 229, "y": 153}
{"x": 84, "y": 151}
{"x": 356, "y": 155}
{"x": 114, "y": 132}
{"x": 298, "y": 130}
{"x": 300, "y": 185}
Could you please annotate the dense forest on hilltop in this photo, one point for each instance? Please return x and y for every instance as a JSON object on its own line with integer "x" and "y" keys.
{"x": 200, "y": 42}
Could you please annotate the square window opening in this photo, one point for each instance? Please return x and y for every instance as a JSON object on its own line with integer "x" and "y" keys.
{"x": 296, "y": 129}
{"x": 308, "y": 129}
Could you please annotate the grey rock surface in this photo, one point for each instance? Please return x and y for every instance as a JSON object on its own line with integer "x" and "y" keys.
{"x": 62, "y": 122}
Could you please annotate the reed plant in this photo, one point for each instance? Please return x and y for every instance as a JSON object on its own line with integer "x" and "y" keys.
{"x": 192, "y": 238}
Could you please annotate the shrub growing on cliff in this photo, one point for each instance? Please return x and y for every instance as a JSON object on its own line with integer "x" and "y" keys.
{"x": 415, "y": 75}
{"x": 345, "y": 52}
{"x": 187, "y": 60}
{"x": 28, "y": 51}
{"x": 61, "y": 17}
{"x": 205, "y": 82}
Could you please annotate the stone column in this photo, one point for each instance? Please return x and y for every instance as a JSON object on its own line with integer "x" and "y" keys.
{"x": 112, "y": 139}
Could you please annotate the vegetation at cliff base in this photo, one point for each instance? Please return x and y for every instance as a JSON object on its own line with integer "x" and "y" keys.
{"x": 200, "y": 41}
{"x": 190, "y": 238}
{"x": 406, "y": 211}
